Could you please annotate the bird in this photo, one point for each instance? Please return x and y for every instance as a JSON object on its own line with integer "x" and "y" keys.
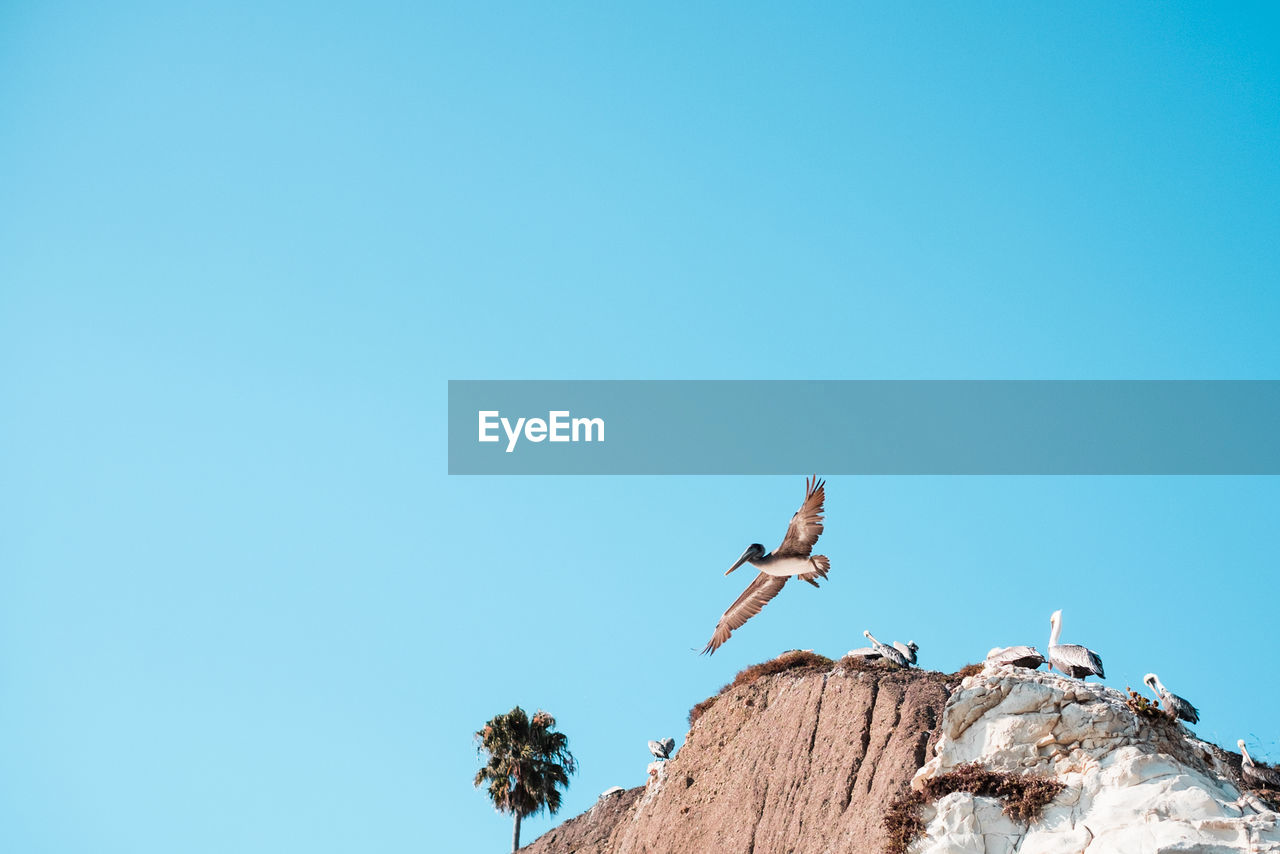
{"x": 662, "y": 748}
{"x": 869, "y": 653}
{"x": 1258, "y": 775}
{"x": 1173, "y": 704}
{"x": 888, "y": 653}
{"x": 1072, "y": 659}
{"x": 791, "y": 558}
{"x": 1018, "y": 656}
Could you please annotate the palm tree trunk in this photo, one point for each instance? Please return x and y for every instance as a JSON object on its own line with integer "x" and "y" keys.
{"x": 515, "y": 835}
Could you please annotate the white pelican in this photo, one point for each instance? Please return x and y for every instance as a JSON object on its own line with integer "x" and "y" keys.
{"x": 662, "y": 749}
{"x": 888, "y": 653}
{"x": 1173, "y": 704}
{"x": 1018, "y": 656}
{"x": 790, "y": 558}
{"x": 1258, "y": 775}
{"x": 1072, "y": 659}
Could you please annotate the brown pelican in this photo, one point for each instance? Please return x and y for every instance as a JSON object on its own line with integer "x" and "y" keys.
{"x": 1173, "y": 704}
{"x": 888, "y": 653}
{"x": 662, "y": 749}
{"x": 1072, "y": 659}
{"x": 1018, "y": 656}
{"x": 1258, "y": 775}
{"x": 790, "y": 558}
{"x": 869, "y": 653}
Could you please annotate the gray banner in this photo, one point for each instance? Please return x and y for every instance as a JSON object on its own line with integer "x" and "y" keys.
{"x": 864, "y": 427}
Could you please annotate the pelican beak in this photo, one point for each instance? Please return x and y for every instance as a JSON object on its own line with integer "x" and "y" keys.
{"x": 739, "y": 562}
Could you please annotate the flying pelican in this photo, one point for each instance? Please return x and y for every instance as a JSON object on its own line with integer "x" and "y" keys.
{"x": 662, "y": 749}
{"x": 1173, "y": 704}
{"x": 1072, "y": 659}
{"x": 1018, "y": 656}
{"x": 790, "y": 558}
{"x": 1258, "y": 775}
{"x": 888, "y": 653}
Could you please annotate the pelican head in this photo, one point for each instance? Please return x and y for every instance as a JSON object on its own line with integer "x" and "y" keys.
{"x": 1240, "y": 744}
{"x": 755, "y": 551}
{"x": 911, "y": 645}
{"x": 866, "y": 633}
{"x": 1152, "y": 680}
{"x": 1055, "y": 619}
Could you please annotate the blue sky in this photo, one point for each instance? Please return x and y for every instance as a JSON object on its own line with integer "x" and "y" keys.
{"x": 243, "y": 248}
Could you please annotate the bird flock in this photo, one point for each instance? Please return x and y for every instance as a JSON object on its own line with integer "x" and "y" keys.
{"x": 794, "y": 558}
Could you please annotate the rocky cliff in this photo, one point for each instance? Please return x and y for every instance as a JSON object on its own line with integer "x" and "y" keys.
{"x": 809, "y": 760}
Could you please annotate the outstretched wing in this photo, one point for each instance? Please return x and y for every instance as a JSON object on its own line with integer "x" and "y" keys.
{"x": 806, "y": 524}
{"x": 755, "y": 597}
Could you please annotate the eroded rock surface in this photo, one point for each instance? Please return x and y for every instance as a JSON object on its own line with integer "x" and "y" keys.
{"x": 806, "y": 763}
{"x": 789, "y": 763}
{"x": 1135, "y": 785}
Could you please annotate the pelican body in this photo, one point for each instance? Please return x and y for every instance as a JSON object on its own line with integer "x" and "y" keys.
{"x": 870, "y": 653}
{"x": 1072, "y": 659}
{"x": 1018, "y": 656}
{"x": 1254, "y": 774}
{"x": 662, "y": 748}
{"x": 1173, "y": 704}
{"x": 791, "y": 558}
{"x": 888, "y": 653}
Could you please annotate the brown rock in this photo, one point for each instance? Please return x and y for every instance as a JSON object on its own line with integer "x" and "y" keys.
{"x": 789, "y": 763}
{"x": 587, "y": 833}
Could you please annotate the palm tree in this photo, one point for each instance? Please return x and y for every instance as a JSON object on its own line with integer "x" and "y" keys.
{"x": 527, "y": 764}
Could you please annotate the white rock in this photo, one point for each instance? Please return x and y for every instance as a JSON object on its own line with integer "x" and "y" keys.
{"x": 1132, "y": 788}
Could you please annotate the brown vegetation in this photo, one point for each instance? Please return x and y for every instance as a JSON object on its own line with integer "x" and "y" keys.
{"x": 801, "y": 661}
{"x": 1142, "y": 706}
{"x": 1024, "y": 796}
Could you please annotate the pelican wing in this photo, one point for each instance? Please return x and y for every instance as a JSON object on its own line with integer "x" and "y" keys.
{"x": 1261, "y": 775}
{"x": 1180, "y": 707}
{"x": 1075, "y": 660}
{"x": 1018, "y": 656}
{"x": 890, "y": 654}
{"x": 755, "y": 597}
{"x": 806, "y": 524}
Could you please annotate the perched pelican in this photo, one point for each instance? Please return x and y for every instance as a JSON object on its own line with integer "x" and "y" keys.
{"x": 1258, "y": 775}
{"x": 1072, "y": 659}
{"x": 1173, "y": 704}
{"x": 790, "y": 558}
{"x": 1018, "y": 656}
{"x": 870, "y": 653}
{"x": 888, "y": 653}
{"x": 908, "y": 650}
{"x": 662, "y": 749}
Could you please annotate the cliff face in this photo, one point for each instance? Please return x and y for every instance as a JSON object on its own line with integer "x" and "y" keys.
{"x": 808, "y": 762}
{"x": 1133, "y": 784}
{"x": 789, "y": 763}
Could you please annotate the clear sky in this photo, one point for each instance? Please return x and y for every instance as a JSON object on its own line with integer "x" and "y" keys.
{"x": 244, "y": 246}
